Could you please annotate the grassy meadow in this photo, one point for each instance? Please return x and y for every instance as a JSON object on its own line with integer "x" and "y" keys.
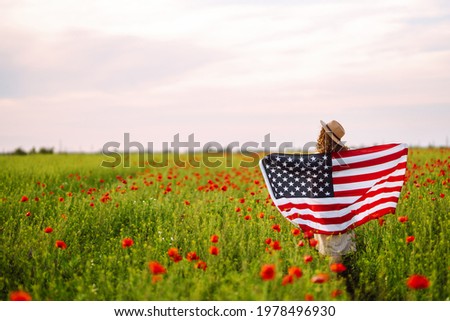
{"x": 73, "y": 230}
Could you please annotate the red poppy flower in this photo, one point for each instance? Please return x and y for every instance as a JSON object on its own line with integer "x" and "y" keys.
{"x": 127, "y": 242}
{"x": 242, "y": 200}
{"x": 417, "y": 282}
{"x": 307, "y": 258}
{"x": 24, "y": 199}
{"x": 287, "y": 279}
{"x": 20, "y": 296}
{"x": 402, "y": 219}
{"x": 176, "y": 258}
{"x": 61, "y": 244}
{"x": 172, "y": 252}
{"x": 313, "y": 242}
{"x": 295, "y": 271}
{"x": 261, "y": 215}
{"x": 295, "y": 231}
{"x": 214, "y": 250}
{"x": 442, "y": 195}
{"x": 192, "y": 256}
{"x": 268, "y": 241}
{"x": 201, "y": 265}
{"x": 186, "y": 202}
{"x": 48, "y": 229}
{"x": 308, "y": 234}
{"x": 410, "y": 239}
{"x": 338, "y": 267}
{"x": 301, "y": 243}
{"x": 320, "y": 278}
{"x": 28, "y": 214}
{"x": 156, "y": 268}
{"x": 247, "y": 217}
{"x": 61, "y": 199}
{"x": 276, "y": 227}
{"x": 238, "y": 209}
{"x": 267, "y": 272}
{"x": 214, "y": 238}
{"x": 309, "y": 297}
{"x": 174, "y": 255}
{"x": 105, "y": 198}
{"x": 336, "y": 293}
{"x": 276, "y": 245}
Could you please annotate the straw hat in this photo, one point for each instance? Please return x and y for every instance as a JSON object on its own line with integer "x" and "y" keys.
{"x": 334, "y": 130}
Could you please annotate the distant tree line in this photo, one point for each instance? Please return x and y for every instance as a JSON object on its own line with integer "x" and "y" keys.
{"x": 42, "y": 150}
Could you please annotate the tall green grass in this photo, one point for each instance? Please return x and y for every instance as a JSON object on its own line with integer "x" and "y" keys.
{"x": 182, "y": 207}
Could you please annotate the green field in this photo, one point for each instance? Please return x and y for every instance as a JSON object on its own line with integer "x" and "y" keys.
{"x": 92, "y": 209}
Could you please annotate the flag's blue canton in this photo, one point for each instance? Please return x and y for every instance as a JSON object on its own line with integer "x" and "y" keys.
{"x": 292, "y": 176}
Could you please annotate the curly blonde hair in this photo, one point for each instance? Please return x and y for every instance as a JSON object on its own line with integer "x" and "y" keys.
{"x": 327, "y": 145}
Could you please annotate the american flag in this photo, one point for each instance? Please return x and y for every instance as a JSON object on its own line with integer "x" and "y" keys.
{"x": 331, "y": 193}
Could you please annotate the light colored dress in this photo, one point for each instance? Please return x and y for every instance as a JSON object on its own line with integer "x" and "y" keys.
{"x": 335, "y": 246}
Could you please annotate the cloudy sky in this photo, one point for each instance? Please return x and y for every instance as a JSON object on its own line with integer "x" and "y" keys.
{"x": 75, "y": 75}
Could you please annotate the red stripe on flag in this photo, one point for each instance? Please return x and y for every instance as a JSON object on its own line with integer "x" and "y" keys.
{"x": 351, "y": 192}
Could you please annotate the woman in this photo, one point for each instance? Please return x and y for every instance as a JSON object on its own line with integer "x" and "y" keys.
{"x": 334, "y": 246}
